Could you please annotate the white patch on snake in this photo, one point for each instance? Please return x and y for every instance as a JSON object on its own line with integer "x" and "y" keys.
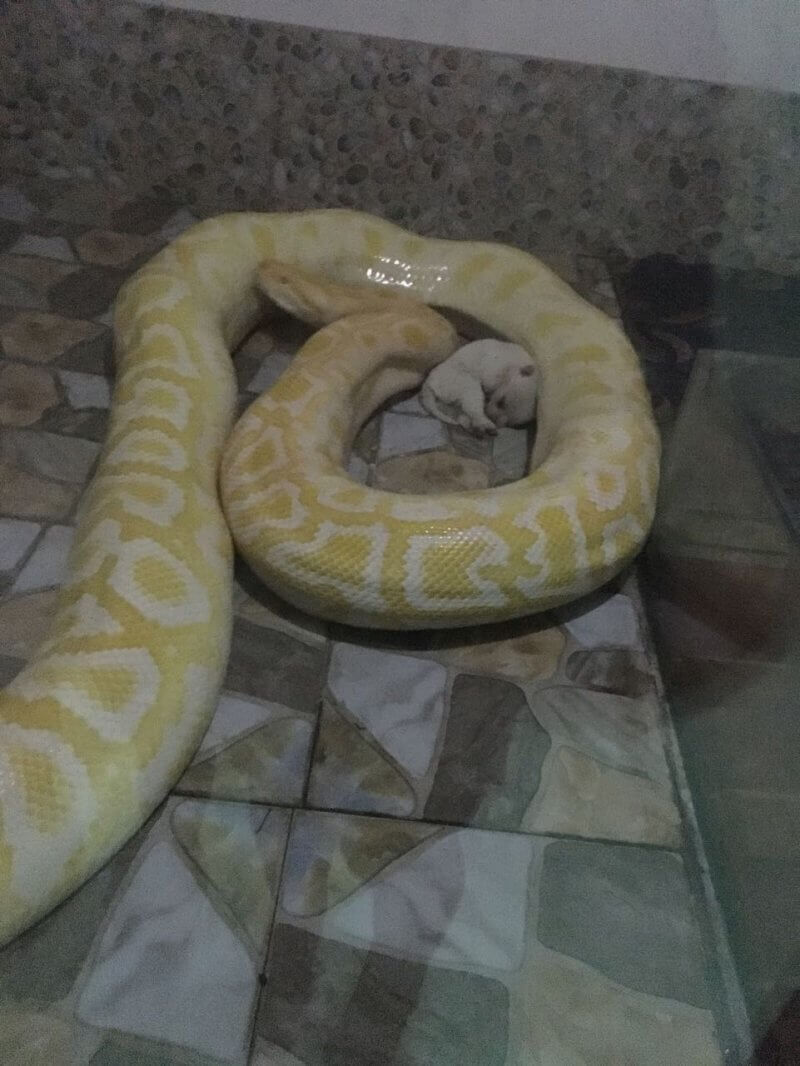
{"x": 141, "y": 403}
{"x": 242, "y": 471}
{"x": 487, "y": 593}
{"x": 77, "y": 681}
{"x": 199, "y": 700}
{"x": 151, "y": 446}
{"x": 365, "y": 594}
{"x": 90, "y": 549}
{"x": 249, "y": 515}
{"x": 536, "y": 557}
{"x": 607, "y": 499}
{"x": 89, "y": 619}
{"x": 183, "y": 600}
{"x": 629, "y": 529}
{"x": 38, "y": 858}
{"x": 179, "y": 359}
{"x": 420, "y": 511}
{"x": 328, "y": 490}
{"x": 173, "y": 290}
{"x": 314, "y": 387}
{"x": 215, "y": 546}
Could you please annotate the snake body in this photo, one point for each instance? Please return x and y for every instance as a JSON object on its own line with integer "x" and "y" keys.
{"x": 99, "y": 725}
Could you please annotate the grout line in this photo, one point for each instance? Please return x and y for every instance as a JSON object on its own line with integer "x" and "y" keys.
{"x": 261, "y": 977}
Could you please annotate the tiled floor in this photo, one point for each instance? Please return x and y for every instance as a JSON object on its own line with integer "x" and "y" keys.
{"x": 390, "y": 848}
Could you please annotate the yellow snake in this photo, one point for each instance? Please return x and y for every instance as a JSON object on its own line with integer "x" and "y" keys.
{"x": 99, "y": 725}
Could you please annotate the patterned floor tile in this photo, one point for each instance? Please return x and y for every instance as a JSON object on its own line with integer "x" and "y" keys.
{"x": 430, "y": 472}
{"x": 253, "y": 750}
{"x": 27, "y": 282}
{"x": 41, "y": 337}
{"x": 270, "y": 370}
{"x": 511, "y": 451}
{"x": 47, "y": 247}
{"x": 29, "y": 496}
{"x": 15, "y": 205}
{"x": 86, "y": 292}
{"x": 85, "y": 390}
{"x": 156, "y": 959}
{"x": 16, "y": 538}
{"x": 253, "y": 602}
{"x": 493, "y": 734}
{"x": 403, "y": 434}
{"x": 272, "y": 665}
{"x": 47, "y": 566}
{"x": 612, "y": 621}
{"x": 111, "y": 249}
{"x": 66, "y": 460}
{"x": 26, "y": 393}
{"x": 401, "y": 937}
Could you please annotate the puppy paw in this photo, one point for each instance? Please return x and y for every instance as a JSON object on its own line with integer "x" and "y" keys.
{"x": 478, "y": 428}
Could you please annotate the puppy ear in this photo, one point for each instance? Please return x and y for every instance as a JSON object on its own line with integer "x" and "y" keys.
{"x": 527, "y": 371}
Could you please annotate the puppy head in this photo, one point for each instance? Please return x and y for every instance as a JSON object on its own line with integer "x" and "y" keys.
{"x": 513, "y": 402}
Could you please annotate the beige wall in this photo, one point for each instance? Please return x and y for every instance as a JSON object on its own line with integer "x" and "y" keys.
{"x": 745, "y": 42}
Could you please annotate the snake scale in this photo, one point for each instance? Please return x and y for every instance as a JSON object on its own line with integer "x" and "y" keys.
{"x": 102, "y": 721}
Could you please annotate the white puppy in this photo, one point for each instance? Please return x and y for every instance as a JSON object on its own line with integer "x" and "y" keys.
{"x": 483, "y": 386}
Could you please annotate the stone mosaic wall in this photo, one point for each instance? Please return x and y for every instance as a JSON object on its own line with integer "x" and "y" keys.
{"x": 223, "y": 113}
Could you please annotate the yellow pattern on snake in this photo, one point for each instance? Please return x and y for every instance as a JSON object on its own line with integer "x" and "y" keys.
{"x": 103, "y": 720}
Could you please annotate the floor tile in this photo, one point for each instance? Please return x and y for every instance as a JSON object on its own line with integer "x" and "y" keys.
{"x": 41, "y": 337}
{"x": 67, "y": 460}
{"x": 25, "y": 621}
{"x": 358, "y": 470}
{"x": 159, "y": 953}
{"x": 399, "y": 936}
{"x": 47, "y": 247}
{"x": 430, "y": 472}
{"x": 469, "y": 446}
{"x": 611, "y": 622}
{"x": 490, "y": 764}
{"x": 270, "y": 370}
{"x": 15, "y": 539}
{"x": 47, "y": 567}
{"x": 26, "y": 392}
{"x": 398, "y": 698}
{"x": 111, "y": 249}
{"x": 403, "y": 434}
{"x": 617, "y": 670}
{"x": 15, "y": 205}
{"x": 85, "y": 390}
{"x": 9, "y": 668}
{"x": 86, "y": 292}
{"x": 527, "y": 650}
{"x": 144, "y": 215}
{"x": 517, "y": 747}
{"x": 254, "y": 603}
{"x": 510, "y": 453}
{"x": 9, "y": 233}
{"x": 177, "y": 224}
{"x": 410, "y": 406}
{"x": 272, "y": 665}
{"x": 253, "y": 750}
{"x": 26, "y": 283}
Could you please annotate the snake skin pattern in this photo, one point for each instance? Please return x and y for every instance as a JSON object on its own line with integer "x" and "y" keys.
{"x": 100, "y": 724}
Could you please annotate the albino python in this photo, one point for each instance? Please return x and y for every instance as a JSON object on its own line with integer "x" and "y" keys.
{"x": 102, "y": 721}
